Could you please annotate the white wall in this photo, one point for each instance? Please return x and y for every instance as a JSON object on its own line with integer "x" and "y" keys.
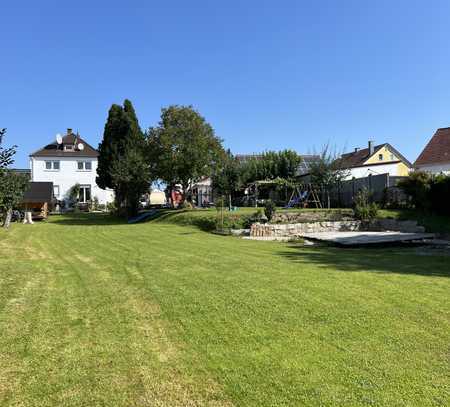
{"x": 436, "y": 169}
{"x": 68, "y": 175}
{"x": 361, "y": 172}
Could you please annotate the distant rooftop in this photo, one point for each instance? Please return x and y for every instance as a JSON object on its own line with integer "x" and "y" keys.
{"x": 437, "y": 150}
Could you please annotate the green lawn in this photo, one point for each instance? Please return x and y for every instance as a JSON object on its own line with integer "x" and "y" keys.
{"x": 97, "y": 313}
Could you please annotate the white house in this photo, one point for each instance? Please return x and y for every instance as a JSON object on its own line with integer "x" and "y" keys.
{"x": 68, "y": 161}
{"x": 435, "y": 157}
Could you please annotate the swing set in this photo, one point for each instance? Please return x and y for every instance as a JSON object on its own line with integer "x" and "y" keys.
{"x": 303, "y": 195}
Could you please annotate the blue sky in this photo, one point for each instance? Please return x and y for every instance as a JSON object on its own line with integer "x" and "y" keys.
{"x": 265, "y": 74}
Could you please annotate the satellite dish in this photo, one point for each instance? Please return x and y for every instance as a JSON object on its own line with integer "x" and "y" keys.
{"x": 80, "y": 146}
{"x": 59, "y": 138}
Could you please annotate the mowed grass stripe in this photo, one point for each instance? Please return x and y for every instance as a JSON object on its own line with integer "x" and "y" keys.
{"x": 107, "y": 346}
{"x": 189, "y": 318}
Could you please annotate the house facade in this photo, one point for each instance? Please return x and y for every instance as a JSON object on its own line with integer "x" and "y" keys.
{"x": 68, "y": 161}
{"x": 435, "y": 157}
{"x": 375, "y": 160}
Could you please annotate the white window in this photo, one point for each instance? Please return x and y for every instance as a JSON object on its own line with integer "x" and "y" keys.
{"x": 380, "y": 157}
{"x": 85, "y": 193}
{"x": 84, "y": 165}
{"x": 52, "y": 165}
{"x": 56, "y": 191}
{"x": 68, "y": 147}
{"x": 392, "y": 157}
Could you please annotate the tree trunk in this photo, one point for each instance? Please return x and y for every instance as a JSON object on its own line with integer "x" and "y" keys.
{"x": 7, "y": 221}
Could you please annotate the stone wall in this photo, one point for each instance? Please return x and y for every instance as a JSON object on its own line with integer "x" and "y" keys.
{"x": 312, "y": 216}
{"x": 292, "y": 230}
{"x": 299, "y": 229}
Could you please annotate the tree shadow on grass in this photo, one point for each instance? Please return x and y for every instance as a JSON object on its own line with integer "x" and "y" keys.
{"x": 86, "y": 219}
{"x": 399, "y": 260}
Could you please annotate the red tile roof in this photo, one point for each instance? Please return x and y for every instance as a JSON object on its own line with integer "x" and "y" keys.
{"x": 437, "y": 150}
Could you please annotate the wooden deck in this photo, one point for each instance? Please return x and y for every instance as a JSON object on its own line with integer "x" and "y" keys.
{"x": 366, "y": 238}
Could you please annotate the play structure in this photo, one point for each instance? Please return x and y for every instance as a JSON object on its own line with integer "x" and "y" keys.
{"x": 302, "y": 195}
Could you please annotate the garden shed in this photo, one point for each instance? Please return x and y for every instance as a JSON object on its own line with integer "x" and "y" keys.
{"x": 38, "y": 198}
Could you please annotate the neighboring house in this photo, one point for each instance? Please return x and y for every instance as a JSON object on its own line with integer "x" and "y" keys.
{"x": 66, "y": 162}
{"x": 202, "y": 192}
{"x": 375, "y": 160}
{"x": 435, "y": 157}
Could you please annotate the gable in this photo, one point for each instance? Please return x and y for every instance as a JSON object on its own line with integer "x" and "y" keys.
{"x": 437, "y": 151}
{"x": 362, "y": 157}
{"x": 68, "y": 148}
{"x": 386, "y": 154}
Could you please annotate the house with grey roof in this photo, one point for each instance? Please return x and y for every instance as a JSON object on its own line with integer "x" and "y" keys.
{"x": 67, "y": 161}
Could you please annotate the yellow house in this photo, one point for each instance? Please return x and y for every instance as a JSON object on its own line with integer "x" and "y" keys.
{"x": 374, "y": 160}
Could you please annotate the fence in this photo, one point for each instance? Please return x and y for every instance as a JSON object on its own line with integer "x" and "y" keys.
{"x": 381, "y": 187}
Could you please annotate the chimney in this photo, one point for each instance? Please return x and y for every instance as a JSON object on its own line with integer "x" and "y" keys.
{"x": 371, "y": 149}
{"x": 69, "y": 132}
{"x": 356, "y": 149}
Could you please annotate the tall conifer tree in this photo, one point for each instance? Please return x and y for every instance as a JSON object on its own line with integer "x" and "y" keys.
{"x": 122, "y": 165}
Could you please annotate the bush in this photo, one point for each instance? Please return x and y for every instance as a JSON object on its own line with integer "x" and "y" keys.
{"x": 417, "y": 186}
{"x": 439, "y": 194}
{"x": 219, "y": 203}
{"x": 111, "y": 207}
{"x": 94, "y": 204}
{"x": 427, "y": 192}
{"x": 269, "y": 209}
{"x": 186, "y": 205}
{"x": 364, "y": 209}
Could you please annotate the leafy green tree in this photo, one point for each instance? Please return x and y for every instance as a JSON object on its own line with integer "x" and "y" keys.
{"x": 6, "y": 154}
{"x": 271, "y": 165}
{"x": 418, "y": 186}
{"x": 122, "y": 153}
{"x": 226, "y": 180}
{"x": 327, "y": 171}
{"x": 12, "y": 185}
{"x": 183, "y": 148}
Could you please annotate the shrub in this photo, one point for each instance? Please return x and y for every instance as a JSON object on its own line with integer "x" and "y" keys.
{"x": 94, "y": 204}
{"x": 269, "y": 209}
{"x": 428, "y": 192}
{"x": 417, "y": 186}
{"x": 74, "y": 193}
{"x": 439, "y": 194}
{"x": 364, "y": 209}
{"x": 186, "y": 205}
{"x": 111, "y": 207}
{"x": 219, "y": 203}
{"x": 245, "y": 221}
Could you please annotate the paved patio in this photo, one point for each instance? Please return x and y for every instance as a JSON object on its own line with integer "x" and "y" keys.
{"x": 366, "y": 238}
